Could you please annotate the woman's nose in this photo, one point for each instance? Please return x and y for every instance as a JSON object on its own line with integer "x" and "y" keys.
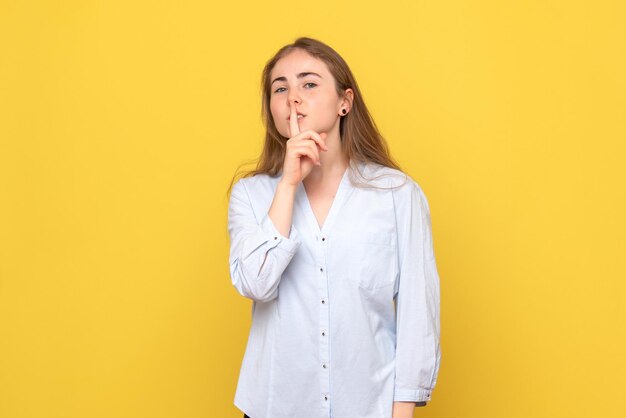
{"x": 293, "y": 98}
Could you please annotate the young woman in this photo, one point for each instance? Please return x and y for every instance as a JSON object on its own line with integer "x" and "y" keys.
{"x": 333, "y": 244}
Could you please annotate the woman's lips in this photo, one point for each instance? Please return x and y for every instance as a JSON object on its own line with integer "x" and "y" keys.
{"x": 303, "y": 116}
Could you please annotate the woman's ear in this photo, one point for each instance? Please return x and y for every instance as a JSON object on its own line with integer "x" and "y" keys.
{"x": 348, "y": 97}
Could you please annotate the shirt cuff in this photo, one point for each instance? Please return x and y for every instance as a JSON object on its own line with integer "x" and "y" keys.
{"x": 407, "y": 395}
{"x": 289, "y": 244}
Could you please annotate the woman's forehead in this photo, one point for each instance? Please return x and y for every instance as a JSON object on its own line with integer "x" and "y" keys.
{"x": 298, "y": 62}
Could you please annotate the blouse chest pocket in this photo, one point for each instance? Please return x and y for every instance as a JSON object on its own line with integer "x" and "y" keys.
{"x": 373, "y": 259}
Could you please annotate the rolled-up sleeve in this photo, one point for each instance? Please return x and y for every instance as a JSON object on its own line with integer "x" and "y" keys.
{"x": 418, "y": 352}
{"x": 258, "y": 252}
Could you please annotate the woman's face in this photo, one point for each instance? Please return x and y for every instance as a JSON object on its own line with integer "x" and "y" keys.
{"x": 313, "y": 94}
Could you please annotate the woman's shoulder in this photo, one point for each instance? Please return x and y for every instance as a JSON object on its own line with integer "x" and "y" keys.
{"x": 257, "y": 180}
{"x": 379, "y": 175}
{"x": 406, "y": 191}
{"x": 257, "y": 185}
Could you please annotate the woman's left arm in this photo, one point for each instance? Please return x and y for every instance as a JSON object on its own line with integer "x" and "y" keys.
{"x": 418, "y": 353}
{"x": 403, "y": 409}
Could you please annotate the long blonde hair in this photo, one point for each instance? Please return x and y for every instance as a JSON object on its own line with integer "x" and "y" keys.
{"x": 360, "y": 139}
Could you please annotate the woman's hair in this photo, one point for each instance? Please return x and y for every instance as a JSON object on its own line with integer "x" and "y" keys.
{"x": 360, "y": 139}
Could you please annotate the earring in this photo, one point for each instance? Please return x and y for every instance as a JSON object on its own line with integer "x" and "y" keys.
{"x": 344, "y": 111}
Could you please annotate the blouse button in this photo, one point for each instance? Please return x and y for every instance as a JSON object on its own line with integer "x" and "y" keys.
{"x": 323, "y": 301}
{"x": 321, "y": 269}
{"x": 325, "y": 397}
{"x": 324, "y": 365}
{"x": 275, "y": 237}
{"x": 323, "y": 333}
{"x": 323, "y": 239}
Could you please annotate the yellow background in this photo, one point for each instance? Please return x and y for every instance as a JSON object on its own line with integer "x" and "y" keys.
{"x": 121, "y": 124}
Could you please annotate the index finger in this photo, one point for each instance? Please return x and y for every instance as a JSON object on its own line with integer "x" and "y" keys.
{"x": 293, "y": 121}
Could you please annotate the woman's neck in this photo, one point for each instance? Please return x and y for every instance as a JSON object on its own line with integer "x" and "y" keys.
{"x": 333, "y": 162}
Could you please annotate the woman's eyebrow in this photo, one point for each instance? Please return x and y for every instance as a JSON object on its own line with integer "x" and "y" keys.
{"x": 283, "y": 78}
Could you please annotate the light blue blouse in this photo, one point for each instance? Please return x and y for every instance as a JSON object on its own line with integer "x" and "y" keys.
{"x": 345, "y": 318}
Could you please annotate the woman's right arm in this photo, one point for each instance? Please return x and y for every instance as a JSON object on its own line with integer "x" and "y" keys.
{"x": 260, "y": 251}
{"x": 281, "y": 211}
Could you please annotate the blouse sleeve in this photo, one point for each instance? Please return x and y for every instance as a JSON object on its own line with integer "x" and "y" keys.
{"x": 258, "y": 252}
{"x": 418, "y": 353}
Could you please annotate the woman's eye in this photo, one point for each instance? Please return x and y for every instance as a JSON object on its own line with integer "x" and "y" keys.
{"x": 278, "y": 89}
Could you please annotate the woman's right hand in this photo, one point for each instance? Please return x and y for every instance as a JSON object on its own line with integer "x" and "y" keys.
{"x": 302, "y": 151}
